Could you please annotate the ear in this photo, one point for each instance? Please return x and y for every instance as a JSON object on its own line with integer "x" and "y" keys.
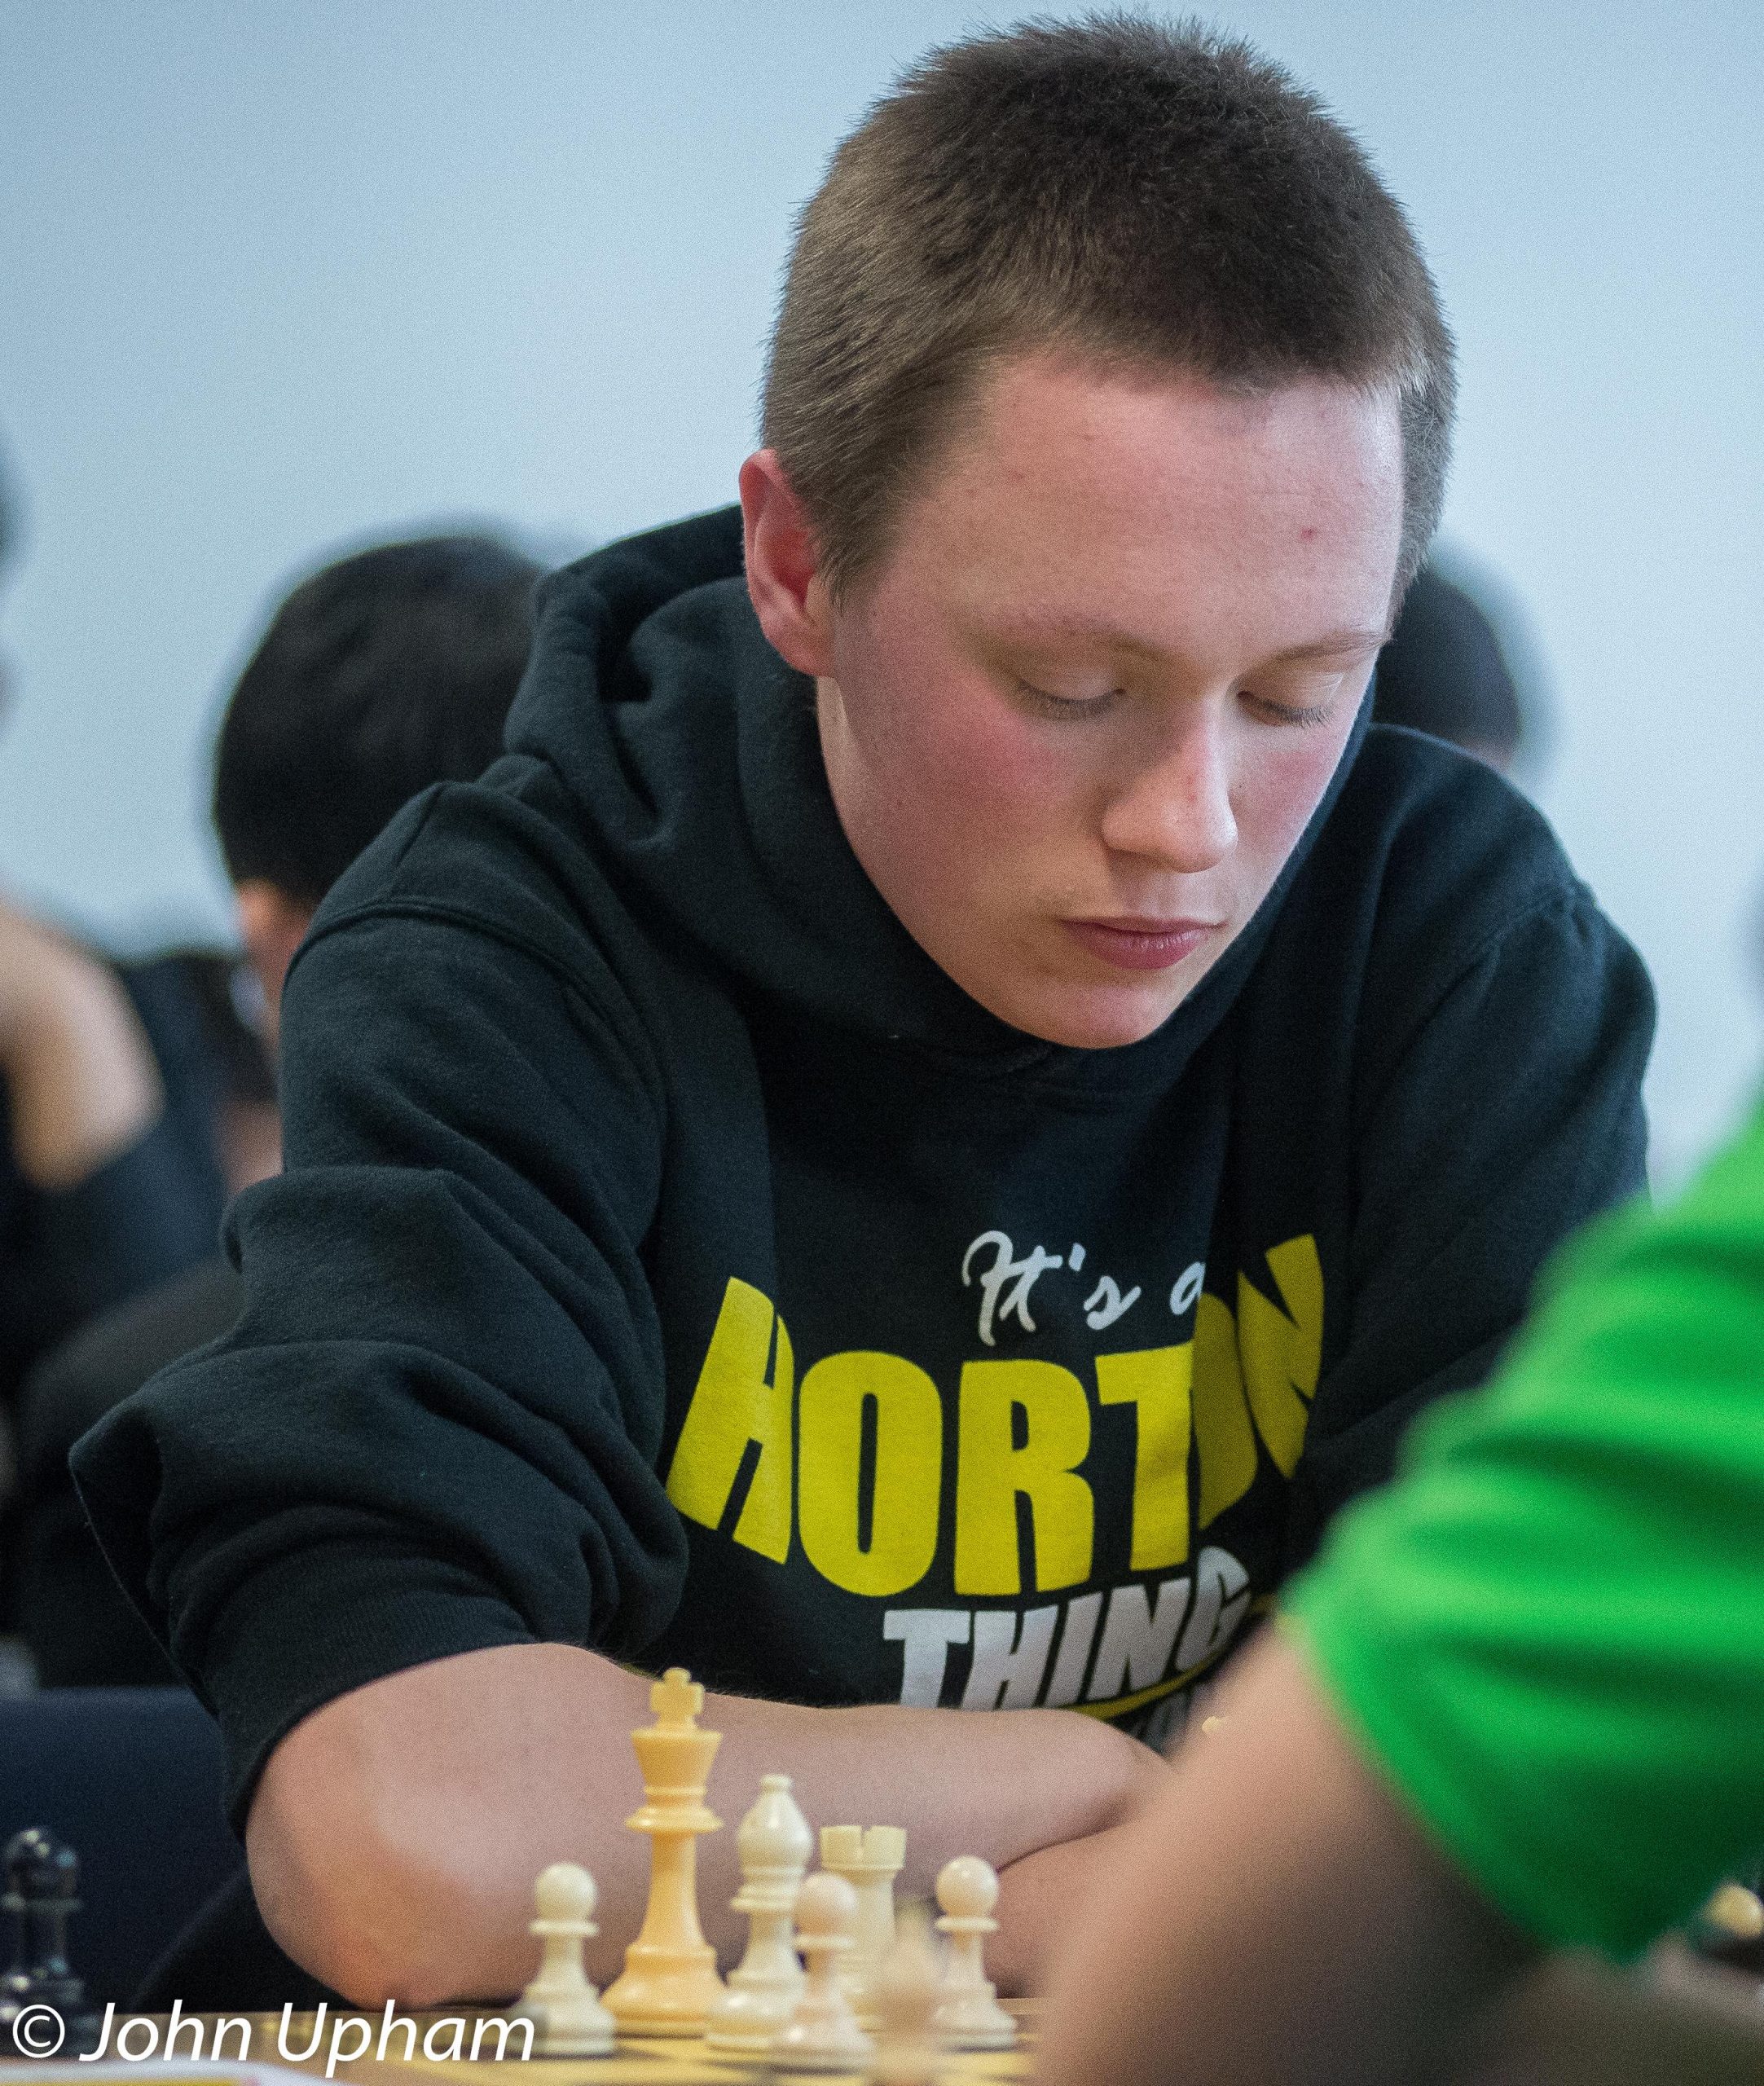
{"x": 783, "y": 580}
{"x": 272, "y": 926}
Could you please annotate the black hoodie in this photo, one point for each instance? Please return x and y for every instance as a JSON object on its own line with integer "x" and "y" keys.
{"x": 672, "y": 1259}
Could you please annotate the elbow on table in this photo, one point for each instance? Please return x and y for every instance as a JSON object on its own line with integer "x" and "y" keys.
{"x": 359, "y": 1907}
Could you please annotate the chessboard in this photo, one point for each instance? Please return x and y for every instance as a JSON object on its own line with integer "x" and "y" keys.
{"x": 277, "y": 2049}
{"x": 1572, "y": 2025}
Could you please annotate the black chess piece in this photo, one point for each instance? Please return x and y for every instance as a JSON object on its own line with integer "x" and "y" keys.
{"x": 42, "y": 1879}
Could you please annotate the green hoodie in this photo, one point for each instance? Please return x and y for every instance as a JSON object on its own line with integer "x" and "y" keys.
{"x": 1550, "y": 1631}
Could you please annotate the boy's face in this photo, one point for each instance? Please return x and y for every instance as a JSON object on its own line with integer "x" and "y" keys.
{"x": 1077, "y": 720}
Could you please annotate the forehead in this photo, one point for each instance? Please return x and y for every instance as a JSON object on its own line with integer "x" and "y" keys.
{"x": 1077, "y": 496}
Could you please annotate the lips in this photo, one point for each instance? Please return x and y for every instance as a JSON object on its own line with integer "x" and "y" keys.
{"x": 1133, "y": 943}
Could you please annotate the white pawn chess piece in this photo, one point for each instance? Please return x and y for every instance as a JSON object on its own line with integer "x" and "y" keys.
{"x": 969, "y": 2017}
{"x": 775, "y": 1844}
{"x": 822, "y": 2033}
{"x": 907, "y": 1990}
{"x": 564, "y": 2007}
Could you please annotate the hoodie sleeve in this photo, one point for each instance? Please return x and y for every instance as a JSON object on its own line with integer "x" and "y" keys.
{"x": 1549, "y": 1634}
{"x": 433, "y": 1429}
{"x": 1508, "y": 1115}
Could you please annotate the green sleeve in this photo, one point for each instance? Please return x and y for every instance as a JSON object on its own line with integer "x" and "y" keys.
{"x": 1550, "y": 1629}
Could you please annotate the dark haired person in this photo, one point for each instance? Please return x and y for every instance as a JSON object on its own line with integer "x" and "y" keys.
{"x": 384, "y": 672}
{"x": 943, "y": 1108}
{"x": 1445, "y": 672}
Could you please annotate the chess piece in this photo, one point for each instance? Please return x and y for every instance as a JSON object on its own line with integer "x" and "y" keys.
{"x": 42, "y": 1880}
{"x": 669, "y": 1982}
{"x": 907, "y": 1991}
{"x": 969, "y": 2017}
{"x": 822, "y": 2033}
{"x": 1733, "y": 1913}
{"x": 775, "y": 1844}
{"x": 869, "y": 1862}
{"x": 564, "y": 2009}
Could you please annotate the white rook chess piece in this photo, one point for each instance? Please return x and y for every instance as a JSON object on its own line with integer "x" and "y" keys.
{"x": 869, "y": 1862}
{"x": 822, "y": 2034}
{"x": 565, "y": 2010}
{"x": 775, "y": 1844}
{"x": 969, "y": 2017}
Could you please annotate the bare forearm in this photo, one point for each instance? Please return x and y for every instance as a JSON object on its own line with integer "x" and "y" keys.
{"x": 1273, "y": 1917}
{"x": 396, "y": 1833}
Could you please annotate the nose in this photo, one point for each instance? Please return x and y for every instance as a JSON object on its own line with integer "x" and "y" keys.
{"x": 1172, "y": 806}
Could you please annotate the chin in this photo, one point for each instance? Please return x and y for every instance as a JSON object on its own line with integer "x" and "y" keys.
{"x": 1093, "y": 1018}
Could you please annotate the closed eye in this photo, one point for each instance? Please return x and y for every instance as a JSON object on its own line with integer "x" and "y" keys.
{"x": 1066, "y": 706}
{"x": 1284, "y": 713}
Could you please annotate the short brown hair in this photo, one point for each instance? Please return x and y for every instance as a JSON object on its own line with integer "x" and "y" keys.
{"x": 1112, "y": 188}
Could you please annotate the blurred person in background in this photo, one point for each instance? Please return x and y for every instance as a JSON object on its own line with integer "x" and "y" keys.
{"x": 112, "y": 1177}
{"x": 382, "y": 673}
{"x": 1447, "y": 673}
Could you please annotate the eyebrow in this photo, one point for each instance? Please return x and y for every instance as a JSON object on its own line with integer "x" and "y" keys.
{"x": 1336, "y": 645}
{"x": 1339, "y": 643}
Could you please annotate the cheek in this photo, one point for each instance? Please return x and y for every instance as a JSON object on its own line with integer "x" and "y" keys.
{"x": 1283, "y": 786}
{"x": 960, "y": 773}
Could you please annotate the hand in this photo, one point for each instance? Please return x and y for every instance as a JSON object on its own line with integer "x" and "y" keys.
{"x": 78, "y": 1069}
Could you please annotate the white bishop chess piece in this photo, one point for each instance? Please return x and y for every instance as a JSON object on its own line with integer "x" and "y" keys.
{"x": 775, "y": 1844}
{"x": 969, "y": 2017}
{"x": 563, "y": 2005}
{"x": 822, "y": 2033}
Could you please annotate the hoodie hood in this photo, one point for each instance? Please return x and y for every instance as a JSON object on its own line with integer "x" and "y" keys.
{"x": 693, "y": 753}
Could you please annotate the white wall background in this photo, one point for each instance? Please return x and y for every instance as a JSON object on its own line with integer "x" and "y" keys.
{"x": 274, "y": 278}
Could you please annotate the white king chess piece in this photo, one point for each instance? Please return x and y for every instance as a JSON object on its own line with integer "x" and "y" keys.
{"x": 564, "y": 2009}
{"x": 970, "y": 2017}
{"x": 775, "y": 1844}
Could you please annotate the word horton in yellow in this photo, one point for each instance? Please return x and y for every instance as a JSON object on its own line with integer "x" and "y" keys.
{"x": 855, "y": 1463}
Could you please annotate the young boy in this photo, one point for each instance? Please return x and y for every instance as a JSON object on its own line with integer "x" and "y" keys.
{"x": 946, "y": 1104}
{"x": 381, "y": 673}
{"x": 1517, "y": 1703}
